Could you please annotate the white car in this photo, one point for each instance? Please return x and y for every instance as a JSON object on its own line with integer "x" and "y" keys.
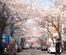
{"x": 51, "y": 49}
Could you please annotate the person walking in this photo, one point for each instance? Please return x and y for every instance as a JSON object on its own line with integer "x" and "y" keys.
{"x": 58, "y": 43}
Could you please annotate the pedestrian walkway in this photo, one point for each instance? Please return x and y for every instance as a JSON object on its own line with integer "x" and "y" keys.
{"x": 65, "y": 52}
{"x": 35, "y": 52}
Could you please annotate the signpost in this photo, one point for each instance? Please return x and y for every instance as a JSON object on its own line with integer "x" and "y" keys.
{"x": 46, "y": 37}
{"x": 11, "y": 25}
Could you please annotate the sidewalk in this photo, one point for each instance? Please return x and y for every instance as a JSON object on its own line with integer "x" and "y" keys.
{"x": 63, "y": 52}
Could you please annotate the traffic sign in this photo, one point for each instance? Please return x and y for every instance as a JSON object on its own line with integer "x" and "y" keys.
{"x": 12, "y": 25}
{"x": 12, "y": 18}
{"x": 45, "y": 35}
{"x": 57, "y": 36}
{"x": 47, "y": 42}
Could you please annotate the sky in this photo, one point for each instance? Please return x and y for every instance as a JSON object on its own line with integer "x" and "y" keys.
{"x": 46, "y": 3}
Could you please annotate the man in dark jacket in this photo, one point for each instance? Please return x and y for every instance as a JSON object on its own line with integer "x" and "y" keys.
{"x": 58, "y": 43}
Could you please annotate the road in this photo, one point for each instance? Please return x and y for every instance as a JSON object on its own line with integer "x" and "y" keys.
{"x": 34, "y": 52}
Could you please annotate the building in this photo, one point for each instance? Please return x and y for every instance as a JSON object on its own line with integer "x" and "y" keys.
{"x": 63, "y": 21}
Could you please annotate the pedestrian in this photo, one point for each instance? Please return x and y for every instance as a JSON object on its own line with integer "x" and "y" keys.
{"x": 58, "y": 43}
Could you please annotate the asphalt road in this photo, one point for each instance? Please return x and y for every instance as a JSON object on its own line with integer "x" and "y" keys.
{"x": 34, "y": 52}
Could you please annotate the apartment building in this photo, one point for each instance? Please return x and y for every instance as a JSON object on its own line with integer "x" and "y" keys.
{"x": 63, "y": 21}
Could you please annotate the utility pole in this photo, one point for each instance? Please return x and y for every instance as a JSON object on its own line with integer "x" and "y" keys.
{"x": 18, "y": 39}
{"x": 0, "y": 32}
{"x": 1, "y": 49}
{"x": 0, "y": 27}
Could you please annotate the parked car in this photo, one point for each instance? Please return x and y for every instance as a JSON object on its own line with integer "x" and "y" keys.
{"x": 51, "y": 49}
{"x": 26, "y": 46}
{"x": 19, "y": 49}
{"x": 8, "y": 44}
{"x": 38, "y": 46}
{"x": 44, "y": 48}
{"x": 32, "y": 47}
